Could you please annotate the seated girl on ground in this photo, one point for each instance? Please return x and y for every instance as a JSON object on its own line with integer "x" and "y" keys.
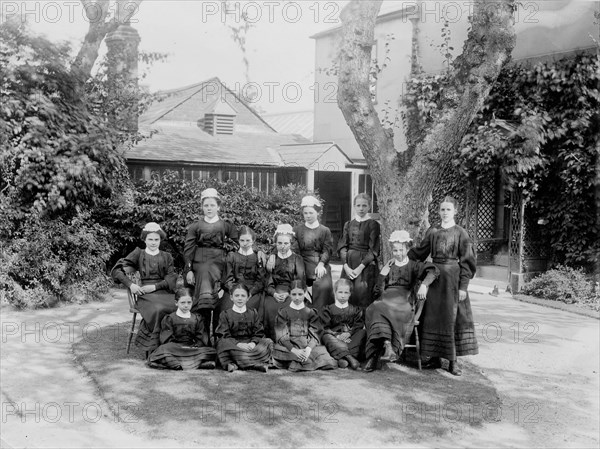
{"x": 343, "y": 327}
{"x": 184, "y": 341}
{"x": 298, "y": 330}
{"x": 241, "y": 341}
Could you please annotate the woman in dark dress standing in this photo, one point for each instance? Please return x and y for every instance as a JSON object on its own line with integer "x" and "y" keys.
{"x": 359, "y": 249}
{"x": 156, "y": 292}
{"x": 205, "y": 251}
{"x": 315, "y": 245}
{"x": 447, "y": 327}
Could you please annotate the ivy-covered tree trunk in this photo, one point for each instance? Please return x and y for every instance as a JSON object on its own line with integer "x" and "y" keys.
{"x": 404, "y": 181}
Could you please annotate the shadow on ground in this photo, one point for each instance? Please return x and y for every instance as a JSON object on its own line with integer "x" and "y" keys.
{"x": 392, "y": 407}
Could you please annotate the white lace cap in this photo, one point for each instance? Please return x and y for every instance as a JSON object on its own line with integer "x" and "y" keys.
{"x": 152, "y": 227}
{"x": 310, "y": 201}
{"x": 400, "y": 237}
{"x": 284, "y": 229}
{"x": 209, "y": 193}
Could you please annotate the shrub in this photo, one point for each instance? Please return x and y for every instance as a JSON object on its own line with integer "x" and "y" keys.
{"x": 564, "y": 284}
{"x": 174, "y": 203}
{"x": 55, "y": 261}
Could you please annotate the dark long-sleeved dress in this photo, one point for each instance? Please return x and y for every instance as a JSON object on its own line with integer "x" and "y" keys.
{"x": 316, "y": 245}
{"x": 360, "y": 243}
{"x": 279, "y": 280}
{"x": 248, "y": 270}
{"x": 184, "y": 343}
{"x": 300, "y": 329}
{"x": 447, "y": 328}
{"x": 336, "y": 321}
{"x": 205, "y": 250}
{"x": 235, "y": 327}
{"x": 389, "y": 317}
{"x": 154, "y": 270}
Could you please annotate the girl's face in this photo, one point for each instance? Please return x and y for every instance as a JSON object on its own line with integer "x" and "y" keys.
{"x": 361, "y": 206}
{"x": 239, "y": 297}
{"x": 184, "y": 304}
{"x": 210, "y": 207}
{"x": 447, "y": 212}
{"x": 297, "y": 296}
{"x": 399, "y": 251}
{"x": 284, "y": 242}
{"x": 310, "y": 214}
{"x": 246, "y": 241}
{"x": 342, "y": 293}
{"x": 152, "y": 241}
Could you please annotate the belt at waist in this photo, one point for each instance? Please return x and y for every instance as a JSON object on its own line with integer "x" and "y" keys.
{"x": 445, "y": 261}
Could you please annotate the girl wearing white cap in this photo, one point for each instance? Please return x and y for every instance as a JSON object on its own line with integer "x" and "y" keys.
{"x": 315, "y": 245}
{"x": 205, "y": 250}
{"x": 158, "y": 279}
{"x": 287, "y": 267}
{"x": 359, "y": 249}
{"x": 447, "y": 328}
{"x": 387, "y": 321}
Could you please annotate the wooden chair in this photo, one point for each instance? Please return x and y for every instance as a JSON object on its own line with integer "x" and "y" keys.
{"x": 413, "y": 330}
{"x": 134, "y": 276}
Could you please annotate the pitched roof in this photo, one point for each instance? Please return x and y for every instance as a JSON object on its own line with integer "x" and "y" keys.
{"x": 185, "y": 142}
{"x": 300, "y": 122}
{"x": 306, "y": 154}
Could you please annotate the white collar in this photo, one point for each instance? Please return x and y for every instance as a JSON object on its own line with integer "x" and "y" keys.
{"x": 211, "y": 220}
{"x": 297, "y": 307}
{"x": 183, "y": 315}
{"x": 285, "y": 255}
{"x": 365, "y": 218}
{"x": 315, "y": 225}
{"x": 448, "y": 225}
{"x": 401, "y": 263}
{"x": 340, "y": 305}
{"x": 239, "y": 309}
{"x": 152, "y": 253}
{"x": 250, "y": 251}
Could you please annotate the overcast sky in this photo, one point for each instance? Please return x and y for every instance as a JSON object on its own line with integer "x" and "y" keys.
{"x": 279, "y": 49}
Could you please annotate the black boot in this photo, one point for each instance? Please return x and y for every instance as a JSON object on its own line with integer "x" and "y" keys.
{"x": 371, "y": 364}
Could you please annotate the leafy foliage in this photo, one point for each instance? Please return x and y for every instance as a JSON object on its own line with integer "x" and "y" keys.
{"x": 174, "y": 203}
{"x": 539, "y": 128}
{"x": 564, "y": 284}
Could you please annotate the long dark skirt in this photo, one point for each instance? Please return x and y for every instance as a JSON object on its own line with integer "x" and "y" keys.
{"x": 153, "y": 307}
{"x": 208, "y": 266}
{"x": 229, "y": 352}
{"x": 447, "y": 329}
{"x": 179, "y": 356}
{"x": 362, "y": 293}
{"x": 339, "y": 349}
{"x": 322, "y": 290}
{"x": 319, "y": 358}
{"x": 271, "y": 307}
{"x": 388, "y": 319}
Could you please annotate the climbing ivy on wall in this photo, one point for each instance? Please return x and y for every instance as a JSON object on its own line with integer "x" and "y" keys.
{"x": 539, "y": 129}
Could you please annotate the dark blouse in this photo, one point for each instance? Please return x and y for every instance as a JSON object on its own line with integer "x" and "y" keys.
{"x": 158, "y": 268}
{"x": 244, "y": 327}
{"x": 187, "y": 331}
{"x": 361, "y": 236}
{"x": 220, "y": 234}
{"x": 285, "y": 271}
{"x": 303, "y": 325}
{"x": 245, "y": 269}
{"x": 336, "y": 320}
{"x": 451, "y": 245}
{"x": 314, "y": 245}
{"x": 407, "y": 276}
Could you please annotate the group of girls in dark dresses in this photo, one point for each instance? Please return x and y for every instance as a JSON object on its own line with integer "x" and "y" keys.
{"x": 244, "y": 310}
